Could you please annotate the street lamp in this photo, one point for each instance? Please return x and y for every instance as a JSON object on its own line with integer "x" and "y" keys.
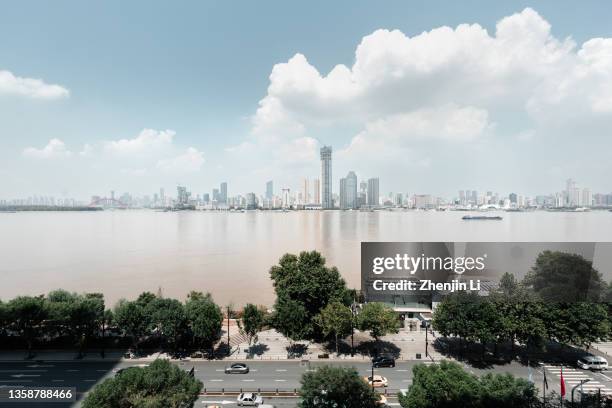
{"x": 353, "y": 311}
{"x": 579, "y": 385}
{"x": 426, "y": 323}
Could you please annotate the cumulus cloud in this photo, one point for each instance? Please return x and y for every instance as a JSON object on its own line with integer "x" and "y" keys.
{"x": 30, "y": 87}
{"x": 456, "y": 85}
{"x": 188, "y": 162}
{"x": 54, "y": 149}
{"x": 147, "y": 140}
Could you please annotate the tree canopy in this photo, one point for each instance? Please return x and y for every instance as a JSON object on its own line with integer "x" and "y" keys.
{"x": 336, "y": 387}
{"x": 160, "y": 385}
{"x": 305, "y": 282}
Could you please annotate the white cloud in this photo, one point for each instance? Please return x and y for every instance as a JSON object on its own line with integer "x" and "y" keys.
{"x": 54, "y": 149}
{"x": 30, "y": 87}
{"x": 147, "y": 140}
{"x": 188, "y": 162}
{"x": 452, "y": 84}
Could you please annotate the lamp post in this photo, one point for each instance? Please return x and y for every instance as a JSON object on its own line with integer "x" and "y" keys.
{"x": 579, "y": 385}
{"x": 426, "y": 338}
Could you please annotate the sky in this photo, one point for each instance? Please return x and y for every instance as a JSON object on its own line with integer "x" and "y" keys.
{"x": 429, "y": 96}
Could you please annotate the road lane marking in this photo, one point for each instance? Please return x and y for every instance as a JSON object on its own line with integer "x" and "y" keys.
{"x": 250, "y": 380}
{"x": 90, "y": 380}
{"x": 216, "y": 380}
{"x": 280, "y": 380}
{"x": 281, "y": 370}
{"x": 57, "y": 380}
{"x": 23, "y": 371}
{"x": 72, "y": 371}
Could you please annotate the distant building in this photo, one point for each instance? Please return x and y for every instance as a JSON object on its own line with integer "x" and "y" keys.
{"x": 513, "y": 198}
{"x": 373, "y": 192}
{"x": 326, "y": 177}
{"x": 251, "y": 201}
{"x": 317, "y": 191}
{"x": 348, "y": 191}
{"x": 182, "y": 196}
{"x": 305, "y": 191}
{"x": 424, "y": 201}
{"x": 269, "y": 190}
{"x": 223, "y": 193}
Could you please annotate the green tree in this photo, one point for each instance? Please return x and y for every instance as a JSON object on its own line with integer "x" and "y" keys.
{"x": 160, "y": 385}
{"x": 335, "y": 319}
{"x": 336, "y": 387}
{"x": 252, "y": 322}
{"x": 27, "y": 313}
{"x": 447, "y": 385}
{"x": 205, "y": 319}
{"x": 379, "y": 319}
{"x": 306, "y": 280}
{"x": 564, "y": 277}
{"x": 291, "y": 320}
{"x": 132, "y": 319}
{"x": 168, "y": 317}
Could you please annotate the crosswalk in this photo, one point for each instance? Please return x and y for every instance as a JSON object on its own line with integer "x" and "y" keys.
{"x": 573, "y": 377}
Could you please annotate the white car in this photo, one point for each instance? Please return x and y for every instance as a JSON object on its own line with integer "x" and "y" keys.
{"x": 592, "y": 363}
{"x": 377, "y": 382}
{"x": 249, "y": 399}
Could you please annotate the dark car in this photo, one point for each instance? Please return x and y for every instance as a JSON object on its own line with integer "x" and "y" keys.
{"x": 383, "y": 361}
{"x": 237, "y": 368}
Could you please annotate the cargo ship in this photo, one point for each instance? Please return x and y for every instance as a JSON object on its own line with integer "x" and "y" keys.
{"x": 481, "y": 217}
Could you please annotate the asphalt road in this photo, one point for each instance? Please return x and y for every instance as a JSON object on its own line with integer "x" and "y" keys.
{"x": 264, "y": 375}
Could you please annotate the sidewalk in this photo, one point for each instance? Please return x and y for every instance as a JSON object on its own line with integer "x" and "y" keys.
{"x": 271, "y": 345}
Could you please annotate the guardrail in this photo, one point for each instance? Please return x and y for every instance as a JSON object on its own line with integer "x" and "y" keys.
{"x": 273, "y": 392}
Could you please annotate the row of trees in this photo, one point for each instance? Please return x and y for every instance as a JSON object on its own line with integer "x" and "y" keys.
{"x": 62, "y": 314}
{"x": 313, "y": 302}
{"x": 563, "y": 299}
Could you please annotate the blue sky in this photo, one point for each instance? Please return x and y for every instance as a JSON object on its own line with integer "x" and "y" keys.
{"x": 201, "y": 69}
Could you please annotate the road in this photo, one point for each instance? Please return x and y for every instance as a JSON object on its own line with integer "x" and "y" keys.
{"x": 264, "y": 375}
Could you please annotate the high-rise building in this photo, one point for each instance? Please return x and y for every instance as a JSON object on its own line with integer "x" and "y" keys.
{"x": 348, "y": 191}
{"x": 305, "y": 191}
{"x": 587, "y": 198}
{"x": 223, "y": 193}
{"x": 326, "y": 177}
{"x": 513, "y": 198}
{"x": 286, "y": 199}
{"x": 215, "y": 195}
{"x": 182, "y": 195}
{"x": 269, "y": 190}
{"x": 316, "y": 189}
{"x": 373, "y": 194}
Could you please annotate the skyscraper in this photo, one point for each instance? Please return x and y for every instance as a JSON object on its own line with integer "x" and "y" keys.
{"x": 305, "y": 191}
{"x": 269, "y": 190}
{"x": 317, "y": 191}
{"x": 223, "y": 193}
{"x": 326, "y": 177}
{"x": 373, "y": 195}
{"x": 348, "y": 191}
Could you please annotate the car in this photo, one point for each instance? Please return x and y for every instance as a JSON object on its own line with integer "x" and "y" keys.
{"x": 382, "y": 401}
{"x": 249, "y": 399}
{"x": 592, "y": 363}
{"x": 237, "y": 368}
{"x": 377, "y": 382}
{"x": 383, "y": 361}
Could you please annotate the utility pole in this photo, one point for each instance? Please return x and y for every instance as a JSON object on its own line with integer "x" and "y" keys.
{"x": 229, "y": 348}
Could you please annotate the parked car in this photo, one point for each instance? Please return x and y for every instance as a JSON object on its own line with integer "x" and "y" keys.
{"x": 249, "y": 399}
{"x": 377, "y": 381}
{"x": 592, "y": 363}
{"x": 237, "y": 368}
{"x": 197, "y": 354}
{"x": 383, "y": 361}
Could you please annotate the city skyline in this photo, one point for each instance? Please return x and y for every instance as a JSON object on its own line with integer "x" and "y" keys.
{"x": 500, "y": 95}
